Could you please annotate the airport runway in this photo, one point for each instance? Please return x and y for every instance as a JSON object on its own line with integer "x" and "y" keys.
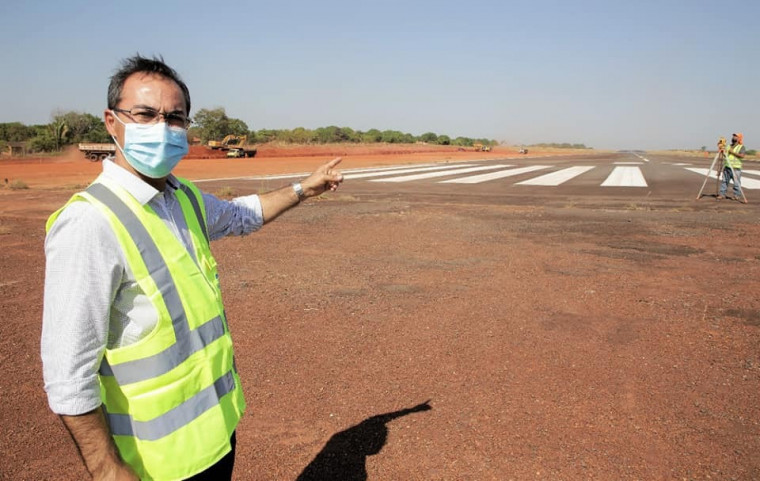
{"x": 593, "y": 180}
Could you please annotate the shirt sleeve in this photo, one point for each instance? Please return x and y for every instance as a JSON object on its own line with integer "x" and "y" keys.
{"x": 239, "y": 216}
{"x": 83, "y": 271}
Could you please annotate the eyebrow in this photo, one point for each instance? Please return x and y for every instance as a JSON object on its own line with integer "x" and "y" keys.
{"x": 148, "y": 107}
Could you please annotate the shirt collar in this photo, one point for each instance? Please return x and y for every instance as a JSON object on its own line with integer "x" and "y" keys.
{"x": 134, "y": 185}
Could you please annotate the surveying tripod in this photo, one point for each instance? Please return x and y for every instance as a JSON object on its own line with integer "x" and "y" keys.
{"x": 720, "y": 156}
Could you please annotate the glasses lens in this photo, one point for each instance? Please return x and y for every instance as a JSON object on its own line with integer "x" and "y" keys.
{"x": 150, "y": 116}
{"x": 176, "y": 120}
{"x": 145, "y": 116}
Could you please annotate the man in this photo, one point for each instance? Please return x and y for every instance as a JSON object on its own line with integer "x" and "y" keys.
{"x": 137, "y": 356}
{"x": 733, "y": 164}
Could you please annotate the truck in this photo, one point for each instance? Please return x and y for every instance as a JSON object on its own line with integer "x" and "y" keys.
{"x": 243, "y": 151}
{"x": 481, "y": 147}
{"x": 95, "y": 152}
{"x": 235, "y": 145}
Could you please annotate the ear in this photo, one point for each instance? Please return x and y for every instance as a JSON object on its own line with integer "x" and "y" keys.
{"x": 110, "y": 121}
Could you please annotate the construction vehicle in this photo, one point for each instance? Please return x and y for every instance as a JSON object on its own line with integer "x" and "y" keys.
{"x": 96, "y": 152}
{"x": 244, "y": 151}
{"x": 227, "y": 142}
{"x": 235, "y": 145}
{"x": 481, "y": 147}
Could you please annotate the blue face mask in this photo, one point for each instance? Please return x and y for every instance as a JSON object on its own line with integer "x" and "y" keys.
{"x": 153, "y": 149}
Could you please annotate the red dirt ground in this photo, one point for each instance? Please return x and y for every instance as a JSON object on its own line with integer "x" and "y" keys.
{"x": 552, "y": 343}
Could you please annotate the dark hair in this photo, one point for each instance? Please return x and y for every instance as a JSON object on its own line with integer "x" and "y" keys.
{"x": 140, "y": 64}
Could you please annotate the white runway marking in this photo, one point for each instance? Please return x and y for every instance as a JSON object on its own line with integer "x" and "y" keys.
{"x": 376, "y": 171}
{"x": 557, "y": 178}
{"x": 476, "y": 179}
{"x": 430, "y": 175}
{"x": 747, "y": 183}
{"x": 755, "y": 172}
{"x": 625, "y": 177}
{"x": 395, "y": 171}
{"x": 261, "y": 177}
{"x": 629, "y": 163}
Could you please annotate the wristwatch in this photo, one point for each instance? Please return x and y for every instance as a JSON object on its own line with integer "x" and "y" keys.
{"x": 299, "y": 191}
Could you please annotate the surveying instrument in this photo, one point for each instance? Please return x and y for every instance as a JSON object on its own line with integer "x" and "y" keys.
{"x": 719, "y": 159}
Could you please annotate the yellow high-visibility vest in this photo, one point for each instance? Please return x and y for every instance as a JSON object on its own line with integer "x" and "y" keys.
{"x": 173, "y": 399}
{"x": 731, "y": 159}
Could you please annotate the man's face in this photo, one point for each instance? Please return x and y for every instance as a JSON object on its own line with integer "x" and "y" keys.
{"x": 142, "y": 90}
{"x": 734, "y": 139}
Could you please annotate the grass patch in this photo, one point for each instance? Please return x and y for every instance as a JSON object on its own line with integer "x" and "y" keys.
{"x": 76, "y": 187}
{"x": 634, "y": 206}
{"x": 18, "y": 185}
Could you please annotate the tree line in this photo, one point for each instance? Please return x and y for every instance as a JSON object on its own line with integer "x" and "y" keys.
{"x": 67, "y": 128}
{"x": 215, "y": 124}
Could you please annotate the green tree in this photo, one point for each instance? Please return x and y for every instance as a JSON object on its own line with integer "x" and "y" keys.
{"x": 16, "y": 132}
{"x": 43, "y": 139}
{"x": 350, "y": 135}
{"x": 214, "y": 124}
{"x": 333, "y": 134}
{"x": 303, "y": 136}
{"x": 236, "y": 127}
{"x": 372, "y": 136}
{"x": 429, "y": 137}
{"x": 444, "y": 140}
{"x": 59, "y": 130}
{"x": 392, "y": 137}
{"x": 266, "y": 135}
{"x": 77, "y": 124}
{"x": 79, "y": 127}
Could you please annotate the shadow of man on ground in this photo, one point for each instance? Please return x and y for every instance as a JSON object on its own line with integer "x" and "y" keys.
{"x": 344, "y": 456}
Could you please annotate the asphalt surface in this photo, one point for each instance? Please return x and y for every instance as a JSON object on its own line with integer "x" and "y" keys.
{"x": 611, "y": 180}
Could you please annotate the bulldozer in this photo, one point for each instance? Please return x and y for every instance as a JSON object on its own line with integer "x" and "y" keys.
{"x": 229, "y": 142}
{"x": 234, "y": 145}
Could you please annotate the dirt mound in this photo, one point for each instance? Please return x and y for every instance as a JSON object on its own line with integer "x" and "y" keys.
{"x": 203, "y": 152}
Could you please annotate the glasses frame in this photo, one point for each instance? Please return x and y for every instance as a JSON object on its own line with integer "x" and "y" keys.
{"x": 173, "y": 119}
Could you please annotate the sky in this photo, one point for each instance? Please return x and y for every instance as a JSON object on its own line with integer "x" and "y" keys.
{"x": 666, "y": 74}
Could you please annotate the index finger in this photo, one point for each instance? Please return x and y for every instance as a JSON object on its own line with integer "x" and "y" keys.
{"x": 333, "y": 162}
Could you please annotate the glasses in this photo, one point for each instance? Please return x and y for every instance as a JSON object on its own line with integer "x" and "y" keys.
{"x": 148, "y": 116}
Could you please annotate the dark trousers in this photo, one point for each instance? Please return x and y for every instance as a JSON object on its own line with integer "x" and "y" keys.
{"x": 222, "y": 470}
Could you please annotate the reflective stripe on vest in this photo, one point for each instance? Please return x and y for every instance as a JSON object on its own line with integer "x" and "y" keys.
{"x": 197, "y": 208}
{"x": 188, "y": 341}
{"x": 124, "y": 425}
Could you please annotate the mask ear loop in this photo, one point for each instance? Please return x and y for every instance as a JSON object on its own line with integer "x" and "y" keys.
{"x": 116, "y": 142}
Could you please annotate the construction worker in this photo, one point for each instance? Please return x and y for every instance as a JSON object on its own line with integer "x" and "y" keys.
{"x": 732, "y": 164}
{"x": 136, "y": 351}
